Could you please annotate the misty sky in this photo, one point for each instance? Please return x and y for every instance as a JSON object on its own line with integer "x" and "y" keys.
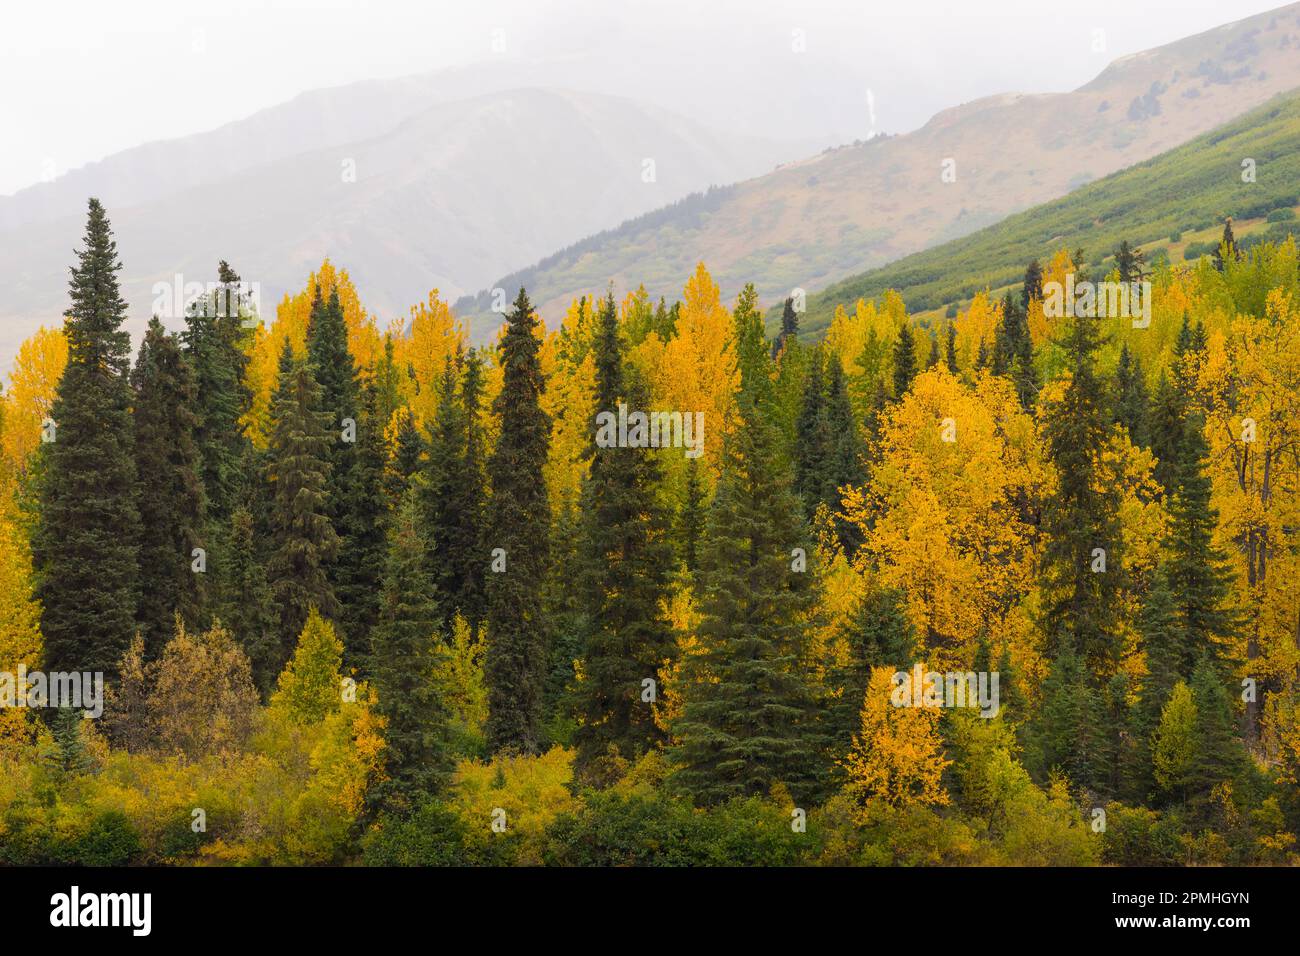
{"x": 82, "y": 79}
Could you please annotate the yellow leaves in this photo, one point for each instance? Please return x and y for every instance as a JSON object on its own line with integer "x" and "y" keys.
{"x": 698, "y": 370}
{"x": 20, "y": 636}
{"x": 532, "y": 792}
{"x": 431, "y": 336}
{"x": 897, "y": 756}
{"x": 569, "y": 364}
{"x": 30, "y": 395}
{"x": 976, "y": 327}
{"x": 1041, "y": 326}
{"x": 941, "y": 514}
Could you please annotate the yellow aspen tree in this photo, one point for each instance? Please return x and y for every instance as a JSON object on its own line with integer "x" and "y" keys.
{"x": 897, "y": 754}
{"x": 30, "y": 395}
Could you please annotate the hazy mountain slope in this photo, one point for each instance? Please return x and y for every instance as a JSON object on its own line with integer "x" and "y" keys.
{"x": 1186, "y": 190}
{"x": 811, "y": 223}
{"x": 450, "y": 197}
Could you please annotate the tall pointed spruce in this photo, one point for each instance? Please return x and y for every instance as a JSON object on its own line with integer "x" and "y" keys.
{"x": 517, "y": 542}
{"x": 85, "y": 546}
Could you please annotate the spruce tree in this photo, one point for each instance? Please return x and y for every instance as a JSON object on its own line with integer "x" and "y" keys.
{"x": 749, "y": 712}
{"x": 1131, "y": 401}
{"x": 1168, "y": 409}
{"x": 789, "y": 327}
{"x": 452, "y": 493}
{"x": 1081, "y": 520}
{"x": 625, "y": 559}
{"x": 407, "y": 462}
{"x": 170, "y": 502}
{"x": 362, "y": 526}
{"x": 403, "y": 659}
{"x": 248, "y": 606}
{"x": 813, "y": 439}
{"x": 303, "y": 539}
{"x": 517, "y": 537}
{"x": 950, "y": 348}
{"x": 690, "y": 521}
{"x": 904, "y": 361}
{"x": 878, "y": 634}
{"x": 1033, "y": 285}
{"x": 1220, "y": 755}
{"x": 1198, "y": 569}
{"x": 213, "y": 338}
{"x": 1227, "y": 247}
{"x": 86, "y": 540}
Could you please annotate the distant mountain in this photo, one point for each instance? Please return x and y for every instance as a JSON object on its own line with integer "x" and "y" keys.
{"x": 447, "y": 195}
{"x": 811, "y": 223}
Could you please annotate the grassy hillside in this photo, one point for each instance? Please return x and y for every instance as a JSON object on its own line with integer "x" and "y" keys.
{"x": 817, "y": 222}
{"x": 1184, "y": 193}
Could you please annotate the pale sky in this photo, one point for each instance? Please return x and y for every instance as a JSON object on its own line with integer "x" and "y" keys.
{"x": 82, "y": 79}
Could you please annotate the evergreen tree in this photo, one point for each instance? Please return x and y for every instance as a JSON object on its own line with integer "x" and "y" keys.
{"x": 789, "y": 327}
{"x": 1070, "y": 732}
{"x": 904, "y": 361}
{"x": 879, "y": 634}
{"x": 1227, "y": 247}
{"x": 1130, "y": 263}
{"x": 214, "y": 339}
{"x": 1033, "y": 285}
{"x": 812, "y": 447}
{"x": 403, "y": 660}
{"x": 452, "y": 494}
{"x": 1013, "y": 351}
{"x": 950, "y": 348}
{"x": 1082, "y": 517}
{"x": 625, "y": 558}
{"x": 362, "y": 523}
{"x": 1198, "y": 569}
{"x": 933, "y": 359}
{"x": 170, "y": 502}
{"x": 1131, "y": 402}
{"x": 1168, "y": 409}
{"x": 690, "y": 522}
{"x": 86, "y": 540}
{"x": 248, "y": 604}
{"x": 303, "y": 539}
{"x": 748, "y": 719}
{"x": 519, "y": 521}
{"x": 1220, "y": 755}
{"x": 408, "y": 459}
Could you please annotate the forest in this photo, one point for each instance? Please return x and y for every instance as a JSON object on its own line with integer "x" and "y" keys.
{"x": 362, "y": 593}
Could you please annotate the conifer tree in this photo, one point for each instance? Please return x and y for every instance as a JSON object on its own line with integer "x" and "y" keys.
{"x": 1033, "y": 285}
{"x": 85, "y": 544}
{"x": 812, "y": 450}
{"x": 213, "y": 338}
{"x": 789, "y": 327}
{"x": 519, "y": 521}
{"x": 1082, "y": 554}
{"x": 1168, "y": 409}
{"x": 404, "y": 657}
{"x": 1198, "y": 569}
{"x": 690, "y": 522}
{"x": 407, "y": 461}
{"x": 1227, "y": 247}
{"x": 170, "y": 502}
{"x": 749, "y": 713}
{"x": 303, "y": 539}
{"x": 362, "y": 524}
{"x": 625, "y": 558}
{"x": 248, "y": 606}
{"x": 1131, "y": 401}
{"x": 950, "y": 348}
{"x": 904, "y": 361}
{"x": 879, "y": 634}
{"x": 452, "y": 493}
{"x": 1220, "y": 755}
